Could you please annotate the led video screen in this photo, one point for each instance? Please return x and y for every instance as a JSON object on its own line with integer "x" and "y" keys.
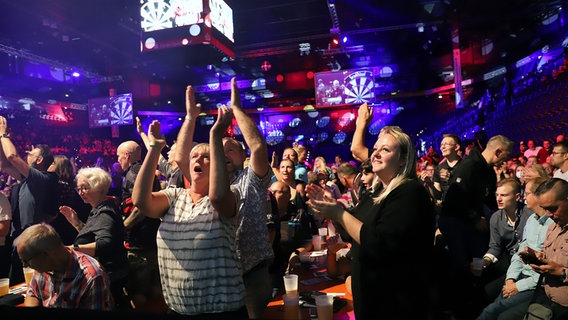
{"x": 344, "y": 87}
{"x": 177, "y": 23}
{"x": 110, "y": 111}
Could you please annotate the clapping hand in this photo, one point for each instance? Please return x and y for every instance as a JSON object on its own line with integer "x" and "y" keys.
{"x": 192, "y": 108}
{"x": 322, "y": 203}
{"x": 139, "y": 126}
{"x": 70, "y": 215}
{"x": 274, "y": 160}
{"x": 155, "y": 136}
{"x": 3, "y": 125}
{"x": 224, "y": 120}
{"x": 235, "y": 94}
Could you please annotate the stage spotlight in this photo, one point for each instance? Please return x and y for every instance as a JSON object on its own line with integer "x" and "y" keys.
{"x": 420, "y": 27}
{"x": 335, "y": 42}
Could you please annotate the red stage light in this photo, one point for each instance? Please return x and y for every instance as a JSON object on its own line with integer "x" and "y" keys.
{"x": 279, "y": 78}
{"x": 265, "y": 66}
{"x": 310, "y": 75}
{"x": 335, "y": 42}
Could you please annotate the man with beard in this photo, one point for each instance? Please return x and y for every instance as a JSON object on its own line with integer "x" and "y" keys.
{"x": 35, "y": 199}
{"x": 253, "y": 247}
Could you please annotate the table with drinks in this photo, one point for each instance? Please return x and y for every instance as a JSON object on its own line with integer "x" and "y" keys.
{"x": 309, "y": 292}
{"x": 11, "y": 292}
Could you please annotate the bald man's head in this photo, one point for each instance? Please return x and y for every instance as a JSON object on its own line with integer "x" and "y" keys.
{"x": 128, "y": 152}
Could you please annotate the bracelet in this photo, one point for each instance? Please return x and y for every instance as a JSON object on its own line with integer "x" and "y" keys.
{"x": 153, "y": 145}
{"x": 188, "y": 118}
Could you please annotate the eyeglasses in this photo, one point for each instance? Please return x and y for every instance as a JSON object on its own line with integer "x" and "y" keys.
{"x": 26, "y": 262}
{"x": 444, "y": 144}
{"x": 82, "y": 189}
{"x": 30, "y": 155}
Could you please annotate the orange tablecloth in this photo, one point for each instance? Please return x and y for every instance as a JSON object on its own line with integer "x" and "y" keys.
{"x": 275, "y": 309}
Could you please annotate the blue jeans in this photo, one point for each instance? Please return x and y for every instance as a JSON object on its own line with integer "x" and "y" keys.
{"x": 493, "y": 310}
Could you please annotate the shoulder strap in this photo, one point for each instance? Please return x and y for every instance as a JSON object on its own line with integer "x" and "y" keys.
{"x": 533, "y": 299}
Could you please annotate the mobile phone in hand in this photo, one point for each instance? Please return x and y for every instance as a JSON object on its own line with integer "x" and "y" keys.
{"x": 530, "y": 258}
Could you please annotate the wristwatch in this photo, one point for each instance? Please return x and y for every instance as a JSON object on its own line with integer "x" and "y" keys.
{"x": 76, "y": 246}
{"x": 6, "y": 135}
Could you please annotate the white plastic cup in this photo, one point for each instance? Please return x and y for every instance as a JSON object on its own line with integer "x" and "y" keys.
{"x": 291, "y": 306}
{"x": 291, "y": 283}
{"x": 316, "y": 241}
{"x": 291, "y": 299}
{"x": 324, "y": 305}
{"x": 477, "y": 267}
{"x": 322, "y": 231}
{"x": 28, "y": 274}
{"x": 4, "y": 286}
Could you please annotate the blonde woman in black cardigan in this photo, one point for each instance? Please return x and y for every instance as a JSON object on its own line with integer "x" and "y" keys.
{"x": 392, "y": 234}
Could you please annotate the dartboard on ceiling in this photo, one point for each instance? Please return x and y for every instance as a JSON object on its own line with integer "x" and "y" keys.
{"x": 155, "y": 15}
{"x": 121, "y": 110}
{"x": 359, "y": 87}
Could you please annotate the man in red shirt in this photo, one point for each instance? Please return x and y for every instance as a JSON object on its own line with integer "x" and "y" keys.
{"x": 63, "y": 277}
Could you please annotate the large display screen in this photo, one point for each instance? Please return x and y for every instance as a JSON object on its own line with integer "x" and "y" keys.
{"x": 222, "y": 18}
{"x": 344, "y": 87}
{"x": 110, "y": 111}
{"x": 177, "y": 23}
{"x": 166, "y": 14}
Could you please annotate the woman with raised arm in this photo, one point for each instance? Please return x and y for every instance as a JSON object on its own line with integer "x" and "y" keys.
{"x": 199, "y": 269}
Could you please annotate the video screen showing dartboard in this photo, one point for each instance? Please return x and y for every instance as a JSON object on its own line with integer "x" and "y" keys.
{"x": 353, "y": 86}
{"x": 110, "y": 111}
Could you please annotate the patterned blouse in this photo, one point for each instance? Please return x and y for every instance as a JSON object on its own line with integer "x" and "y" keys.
{"x": 199, "y": 269}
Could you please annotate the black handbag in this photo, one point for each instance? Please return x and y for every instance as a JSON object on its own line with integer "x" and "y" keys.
{"x": 11, "y": 299}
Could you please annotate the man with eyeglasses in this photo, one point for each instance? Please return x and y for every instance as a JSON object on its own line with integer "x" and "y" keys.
{"x": 35, "y": 200}
{"x": 449, "y": 148}
{"x": 559, "y": 160}
{"x": 63, "y": 277}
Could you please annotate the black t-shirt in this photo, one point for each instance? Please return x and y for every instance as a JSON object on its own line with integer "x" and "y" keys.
{"x": 143, "y": 234}
{"x": 37, "y": 198}
{"x": 471, "y": 193}
{"x": 444, "y": 184}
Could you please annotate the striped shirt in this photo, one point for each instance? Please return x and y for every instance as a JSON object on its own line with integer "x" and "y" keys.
{"x": 84, "y": 286}
{"x": 198, "y": 264}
